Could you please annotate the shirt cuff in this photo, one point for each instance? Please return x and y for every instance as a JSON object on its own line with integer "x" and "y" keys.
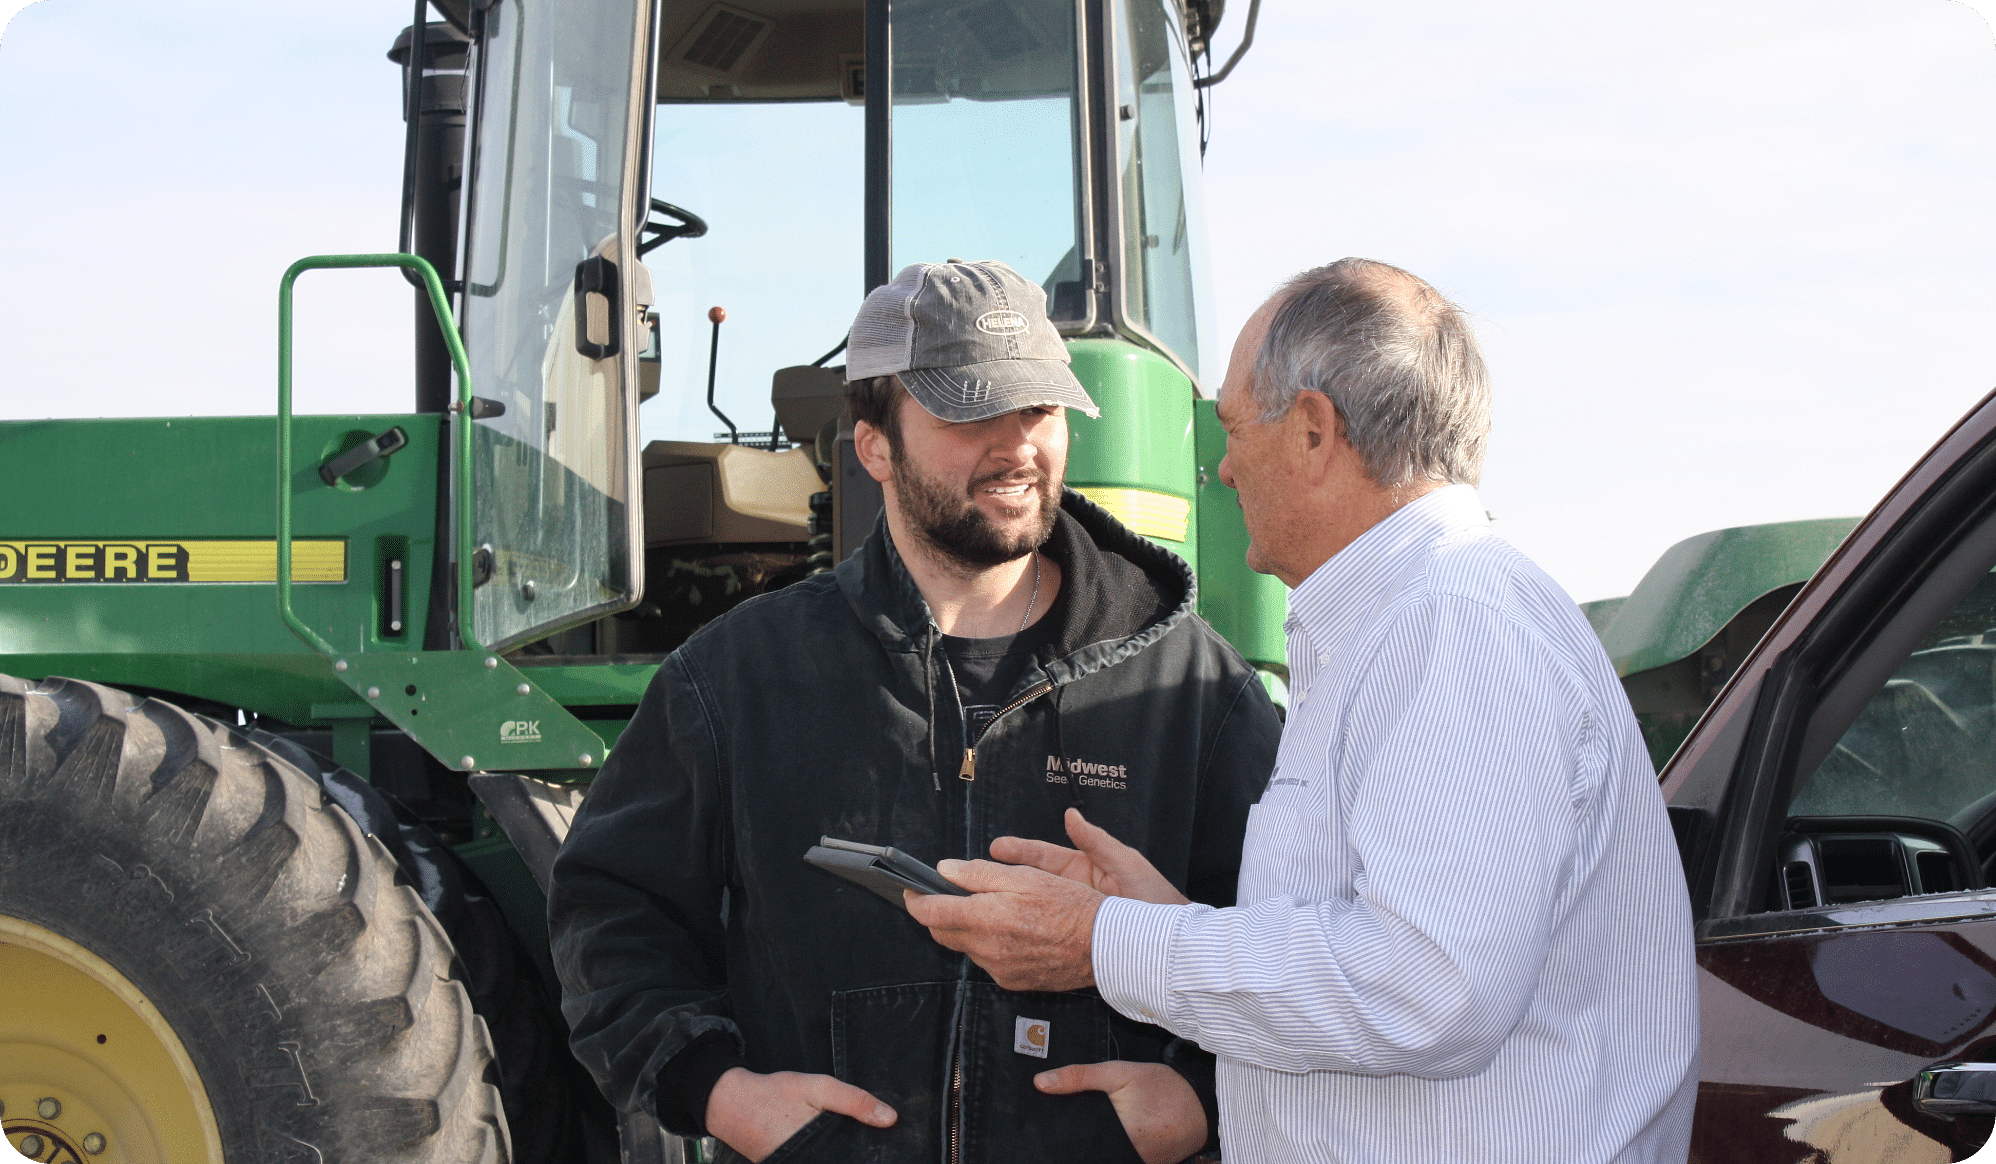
{"x": 1131, "y": 953}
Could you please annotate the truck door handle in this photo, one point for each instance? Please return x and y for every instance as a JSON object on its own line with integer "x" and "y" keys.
{"x": 378, "y": 446}
{"x": 596, "y": 275}
{"x": 1950, "y": 1089}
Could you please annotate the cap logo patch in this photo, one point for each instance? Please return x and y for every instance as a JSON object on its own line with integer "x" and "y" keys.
{"x": 1001, "y": 323}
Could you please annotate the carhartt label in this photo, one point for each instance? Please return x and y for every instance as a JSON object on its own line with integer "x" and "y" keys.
{"x": 1029, "y": 1036}
{"x": 1088, "y": 772}
{"x": 520, "y": 731}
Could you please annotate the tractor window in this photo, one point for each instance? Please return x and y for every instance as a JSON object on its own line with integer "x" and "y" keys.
{"x": 545, "y": 313}
{"x": 780, "y": 186}
{"x": 984, "y": 139}
{"x": 1157, "y": 150}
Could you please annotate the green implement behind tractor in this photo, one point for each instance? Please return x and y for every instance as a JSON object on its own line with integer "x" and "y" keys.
{"x": 304, "y": 703}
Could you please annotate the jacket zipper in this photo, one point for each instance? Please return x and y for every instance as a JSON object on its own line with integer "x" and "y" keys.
{"x": 969, "y": 769}
{"x": 955, "y": 1109}
{"x": 969, "y": 773}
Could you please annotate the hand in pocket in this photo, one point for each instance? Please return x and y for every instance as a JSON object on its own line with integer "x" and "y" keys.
{"x": 1160, "y": 1112}
{"x": 754, "y": 1114}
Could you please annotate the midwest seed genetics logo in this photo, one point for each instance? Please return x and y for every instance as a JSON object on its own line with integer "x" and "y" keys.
{"x": 1088, "y": 772}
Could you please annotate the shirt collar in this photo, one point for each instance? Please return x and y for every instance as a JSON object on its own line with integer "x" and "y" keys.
{"x": 1337, "y": 595}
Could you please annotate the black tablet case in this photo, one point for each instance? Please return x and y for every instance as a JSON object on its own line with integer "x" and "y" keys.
{"x": 886, "y": 871}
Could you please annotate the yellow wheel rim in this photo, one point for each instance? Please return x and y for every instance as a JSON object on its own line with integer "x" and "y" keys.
{"x": 89, "y": 1070}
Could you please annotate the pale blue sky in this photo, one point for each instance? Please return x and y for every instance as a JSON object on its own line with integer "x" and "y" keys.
{"x": 1731, "y": 262}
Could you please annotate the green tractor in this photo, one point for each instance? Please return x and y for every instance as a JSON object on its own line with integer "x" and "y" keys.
{"x": 294, "y": 712}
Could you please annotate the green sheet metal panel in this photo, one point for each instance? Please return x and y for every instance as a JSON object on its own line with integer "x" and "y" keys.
{"x": 1136, "y": 460}
{"x": 1246, "y": 607}
{"x": 202, "y": 479}
{"x": 1700, "y": 583}
{"x": 1601, "y": 612}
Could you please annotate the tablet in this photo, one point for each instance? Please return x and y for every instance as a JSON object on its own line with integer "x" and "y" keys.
{"x": 885, "y": 871}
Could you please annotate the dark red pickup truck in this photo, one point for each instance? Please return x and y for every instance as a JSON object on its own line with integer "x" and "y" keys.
{"x": 1836, "y": 812}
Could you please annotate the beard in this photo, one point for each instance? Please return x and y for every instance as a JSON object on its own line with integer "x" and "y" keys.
{"x": 949, "y": 521}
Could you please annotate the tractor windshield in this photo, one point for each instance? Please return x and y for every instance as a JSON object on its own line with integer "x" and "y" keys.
{"x": 550, "y": 286}
{"x": 761, "y": 133}
{"x": 986, "y": 123}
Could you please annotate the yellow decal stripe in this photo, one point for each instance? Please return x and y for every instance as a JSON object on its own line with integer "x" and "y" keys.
{"x": 1154, "y": 515}
{"x": 153, "y": 560}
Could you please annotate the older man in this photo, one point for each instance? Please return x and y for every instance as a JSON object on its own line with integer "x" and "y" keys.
{"x": 1461, "y": 931}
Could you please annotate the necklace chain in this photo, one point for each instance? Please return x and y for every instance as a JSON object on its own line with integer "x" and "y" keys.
{"x": 1034, "y": 600}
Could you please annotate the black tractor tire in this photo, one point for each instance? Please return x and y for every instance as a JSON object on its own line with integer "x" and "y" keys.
{"x": 554, "y": 1113}
{"x": 312, "y": 990}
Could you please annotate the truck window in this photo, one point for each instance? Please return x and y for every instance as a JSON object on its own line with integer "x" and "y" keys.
{"x": 1916, "y": 768}
{"x": 1925, "y": 745}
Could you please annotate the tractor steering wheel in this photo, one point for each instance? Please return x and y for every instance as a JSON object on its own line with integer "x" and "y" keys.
{"x": 654, "y": 234}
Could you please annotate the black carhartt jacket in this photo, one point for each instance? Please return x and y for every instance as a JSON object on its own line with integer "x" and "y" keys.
{"x": 687, "y": 928}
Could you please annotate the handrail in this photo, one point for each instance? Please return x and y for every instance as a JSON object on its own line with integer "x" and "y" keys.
{"x": 440, "y": 306}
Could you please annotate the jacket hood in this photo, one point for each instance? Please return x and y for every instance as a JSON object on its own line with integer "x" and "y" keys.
{"x": 1120, "y": 592}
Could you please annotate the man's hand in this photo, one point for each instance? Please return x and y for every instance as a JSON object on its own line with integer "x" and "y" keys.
{"x": 1160, "y": 1111}
{"x": 1098, "y": 861}
{"x": 1029, "y": 930}
{"x": 754, "y": 1114}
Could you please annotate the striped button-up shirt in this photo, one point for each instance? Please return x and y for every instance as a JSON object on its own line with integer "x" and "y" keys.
{"x": 1462, "y": 931}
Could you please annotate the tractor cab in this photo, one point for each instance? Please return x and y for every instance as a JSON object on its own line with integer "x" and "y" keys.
{"x": 658, "y": 424}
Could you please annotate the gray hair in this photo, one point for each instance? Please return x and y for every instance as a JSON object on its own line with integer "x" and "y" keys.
{"x": 1398, "y": 361}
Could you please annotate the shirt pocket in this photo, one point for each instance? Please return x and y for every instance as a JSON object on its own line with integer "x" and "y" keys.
{"x": 1280, "y": 855}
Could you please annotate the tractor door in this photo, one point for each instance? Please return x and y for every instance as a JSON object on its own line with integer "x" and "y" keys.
{"x": 553, "y": 300}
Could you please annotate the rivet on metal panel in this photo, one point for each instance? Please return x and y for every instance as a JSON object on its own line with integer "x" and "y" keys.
{"x": 339, "y": 665}
{"x": 374, "y": 693}
{"x": 523, "y": 689}
{"x": 584, "y": 759}
{"x": 467, "y": 763}
{"x": 491, "y": 663}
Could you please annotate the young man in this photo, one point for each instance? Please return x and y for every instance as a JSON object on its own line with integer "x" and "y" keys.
{"x": 998, "y": 652}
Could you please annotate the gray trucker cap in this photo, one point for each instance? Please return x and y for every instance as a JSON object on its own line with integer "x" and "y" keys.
{"x": 970, "y": 341}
